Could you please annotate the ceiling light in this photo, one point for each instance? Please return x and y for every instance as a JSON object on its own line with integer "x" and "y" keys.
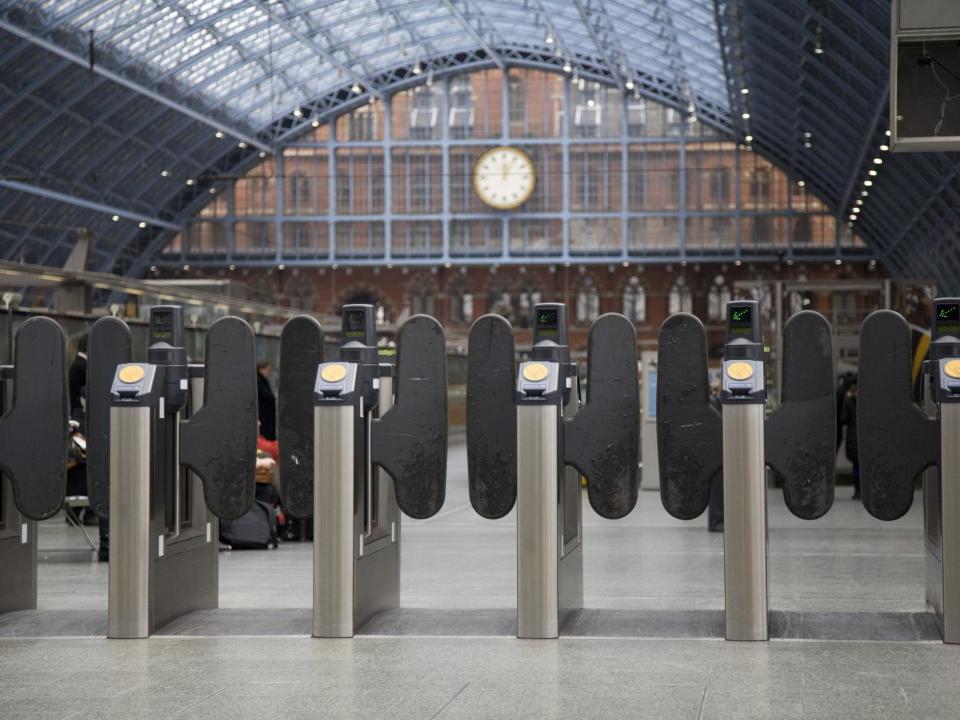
{"x": 856, "y": 209}
{"x": 189, "y": 181}
{"x": 868, "y": 183}
{"x": 744, "y": 91}
{"x": 549, "y": 39}
{"x": 316, "y": 123}
{"x": 884, "y": 148}
{"x": 865, "y": 193}
{"x": 567, "y": 67}
{"x": 808, "y": 145}
{"x": 164, "y": 173}
{"x": 219, "y": 134}
{"x": 748, "y": 138}
{"x": 263, "y": 154}
{"x": 808, "y": 135}
{"x": 629, "y": 84}
{"x": 417, "y": 68}
{"x": 872, "y": 173}
{"x": 298, "y": 112}
{"x": 802, "y": 183}
{"x": 859, "y": 201}
{"x": 745, "y": 116}
{"x": 591, "y": 103}
{"x": 233, "y": 267}
{"x": 281, "y": 266}
{"x": 153, "y": 268}
{"x": 853, "y": 217}
{"x": 888, "y": 133}
{"x": 357, "y": 89}
{"x": 142, "y": 225}
{"x": 116, "y": 218}
{"x": 738, "y": 263}
{"x": 878, "y": 161}
{"x": 241, "y": 145}
{"x": 212, "y": 191}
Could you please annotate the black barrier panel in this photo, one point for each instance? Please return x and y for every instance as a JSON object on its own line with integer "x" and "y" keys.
{"x": 219, "y": 442}
{"x": 109, "y": 345}
{"x": 301, "y": 352}
{"x": 689, "y": 428}
{"x": 603, "y": 440}
{"x": 895, "y": 439}
{"x": 33, "y": 434}
{"x": 800, "y": 438}
{"x": 491, "y": 417}
{"x": 410, "y": 440}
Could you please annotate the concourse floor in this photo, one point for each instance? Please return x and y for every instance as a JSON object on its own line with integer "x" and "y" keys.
{"x": 648, "y": 647}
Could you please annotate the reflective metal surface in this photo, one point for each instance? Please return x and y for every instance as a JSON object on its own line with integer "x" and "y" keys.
{"x": 128, "y": 614}
{"x": 333, "y": 517}
{"x": 744, "y": 522}
{"x": 950, "y": 518}
{"x": 537, "y": 522}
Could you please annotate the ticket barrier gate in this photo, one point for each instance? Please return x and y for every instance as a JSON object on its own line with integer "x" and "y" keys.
{"x": 898, "y": 441}
{"x": 695, "y": 441}
{"x": 33, "y": 453}
{"x": 171, "y": 448}
{"x": 529, "y": 441}
{"x": 346, "y": 429}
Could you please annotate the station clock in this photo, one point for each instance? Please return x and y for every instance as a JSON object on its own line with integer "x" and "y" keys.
{"x": 504, "y": 177}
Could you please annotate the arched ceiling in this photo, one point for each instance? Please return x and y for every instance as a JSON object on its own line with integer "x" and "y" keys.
{"x": 108, "y": 107}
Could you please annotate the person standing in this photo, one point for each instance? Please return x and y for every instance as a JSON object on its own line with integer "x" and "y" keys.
{"x": 848, "y": 417}
{"x": 77, "y": 382}
{"x": 266, "y": 402}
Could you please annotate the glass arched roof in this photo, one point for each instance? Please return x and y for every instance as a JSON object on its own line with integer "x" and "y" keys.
{"x": 106, "y": 106}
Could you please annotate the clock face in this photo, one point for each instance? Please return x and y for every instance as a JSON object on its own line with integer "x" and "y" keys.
{"x": 504, "y": 178}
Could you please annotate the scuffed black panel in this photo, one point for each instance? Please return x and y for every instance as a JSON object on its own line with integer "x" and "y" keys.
{"x": 689, "y": 429}
{"x": 800, "y": 438}
{"x": 109, "y": 345}
{"x": 603, "y": 440}
{"x": 410, "y": 440}
{"x": 895, "y": 439}
{"x": 33, "y": 435}
{"x": 219, "y": 442}
{"x": 491, "y": 417}
{"x": 301, "y": 352}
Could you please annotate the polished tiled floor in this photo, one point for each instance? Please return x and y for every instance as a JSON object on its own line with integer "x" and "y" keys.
{"x": 456, "y": 562}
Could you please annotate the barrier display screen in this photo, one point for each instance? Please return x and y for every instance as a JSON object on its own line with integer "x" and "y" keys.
{"x": 354, "y": 324}
{"x": 947, "y": 319}
{"x": 548, "y": 322}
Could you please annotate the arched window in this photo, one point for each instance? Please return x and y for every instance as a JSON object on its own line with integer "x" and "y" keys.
{"x": 500, "y": 301}
{"x": 588, "y": 301}
{"x": 635, "y": 300}
{"x": 461, "y": 303}
{"x": 717, "y": 298}
{"x": 527, "y": 298}
{"x": 803, "y": 230}
{"x": 421, "y": 297}
{"x": 680, "y": 299}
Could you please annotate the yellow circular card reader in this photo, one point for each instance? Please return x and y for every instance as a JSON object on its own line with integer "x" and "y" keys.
{"x": 333, "y": 373}
{"x": 952, "y": 369}
{"x": 739, "y": 371}
{"x": 535, "y": 372}
{"x": 131, "y": 374}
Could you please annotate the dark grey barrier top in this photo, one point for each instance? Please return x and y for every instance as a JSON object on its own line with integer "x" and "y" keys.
{"x": 491, "y": 417}
{"x": 109, "y": 345}
{"x": 33, "y": 434}
{"x": 410, "y": 440}
{"x": 301, "y": 353}
{"x": 800, "y": 438}
{"x": 896, "y": 440}
{"x": 689, "y": 427}
{"x": 603, "y": 440}
{"x": 219, "y": 442}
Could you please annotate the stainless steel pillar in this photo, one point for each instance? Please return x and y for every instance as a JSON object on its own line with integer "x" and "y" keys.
{"x": 950, "y": 518}
{"x": 744, "y": 522}
{"x": 538, "y": 550}
{"x": 333, "y": 513}
{"x": 128, "y": 614}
